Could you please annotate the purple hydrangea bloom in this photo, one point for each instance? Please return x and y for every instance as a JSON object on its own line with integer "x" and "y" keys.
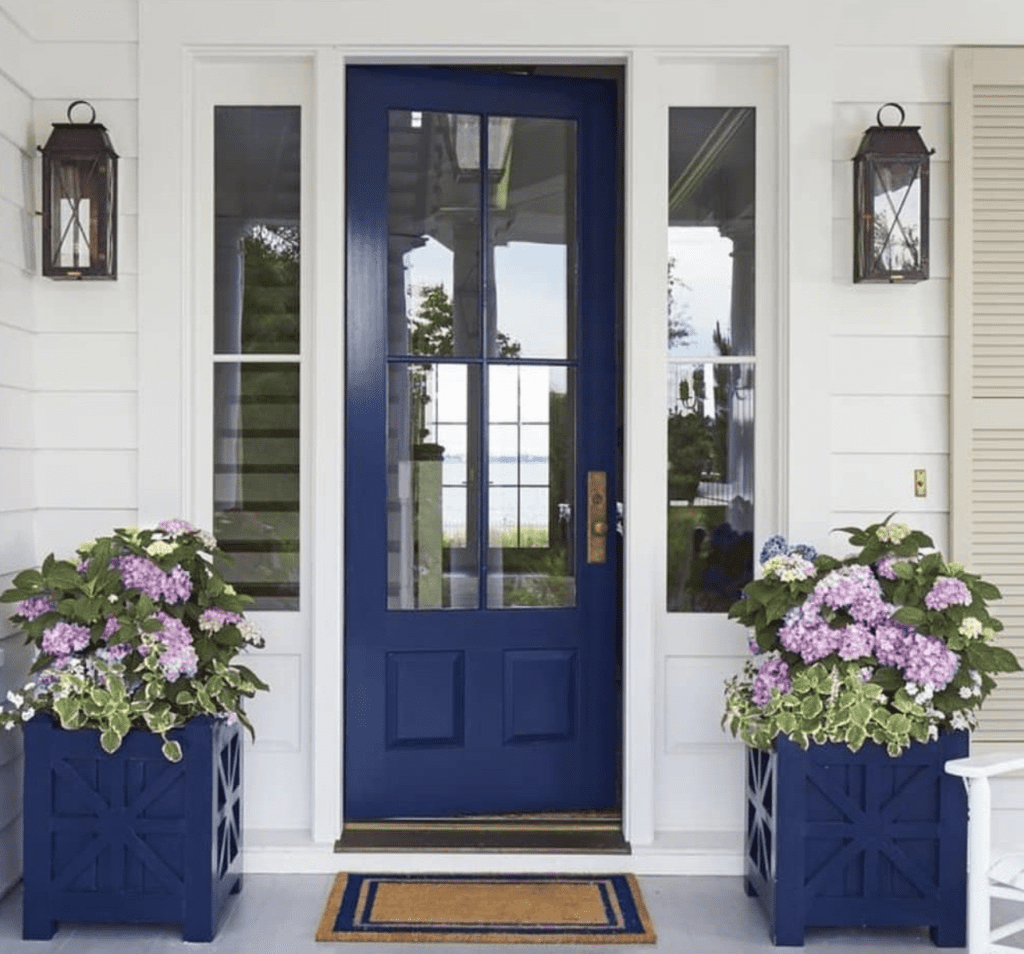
{"x": 884, "y": 567}
{"x": 891, "y": 643}
{"x": 176, "y": 528}
{"x": 142, "y": 574}
{"x": 929, "y": 661}
{"x": 947, "y": 591}
{"x": 856, "y": 641}
{"x": 111, "y": 626}
{"x": 179, "y": 585}
{"x": 179, "y": 657}
{"x": 62, "y": 639}
{"x": 35, "y": 606}
{"x": 773, "y": 674}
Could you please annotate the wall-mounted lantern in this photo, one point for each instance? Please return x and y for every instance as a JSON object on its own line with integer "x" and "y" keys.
{"x": 79, "y": 200}
{"x": 890, "y": 203}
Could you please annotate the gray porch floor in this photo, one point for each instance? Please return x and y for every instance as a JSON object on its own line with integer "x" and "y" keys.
{"x": 279, "y": 914}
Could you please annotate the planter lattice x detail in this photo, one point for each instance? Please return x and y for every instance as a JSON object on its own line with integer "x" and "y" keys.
{"x": 837, "y": 838}
{"x": 131, "y": 837}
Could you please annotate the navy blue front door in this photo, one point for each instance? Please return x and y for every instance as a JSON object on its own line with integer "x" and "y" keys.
{"x": 481, "y": 581}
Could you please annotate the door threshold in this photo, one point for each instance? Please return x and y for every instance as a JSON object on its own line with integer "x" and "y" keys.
{"x": 585, "y": 833}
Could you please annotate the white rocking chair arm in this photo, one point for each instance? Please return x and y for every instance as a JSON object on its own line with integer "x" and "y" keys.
{"x": 987, "y": 765}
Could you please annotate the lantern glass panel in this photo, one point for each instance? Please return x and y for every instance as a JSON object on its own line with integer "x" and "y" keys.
{"x": 81, "y": 193}
{"x": 896, "y": 203}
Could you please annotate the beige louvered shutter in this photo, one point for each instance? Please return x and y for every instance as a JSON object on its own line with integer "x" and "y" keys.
{"x": 987, "y": 349}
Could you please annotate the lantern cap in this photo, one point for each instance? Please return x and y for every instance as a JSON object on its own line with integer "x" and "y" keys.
{"x": 892, "y": 141}
{"x": 73, "y": 138}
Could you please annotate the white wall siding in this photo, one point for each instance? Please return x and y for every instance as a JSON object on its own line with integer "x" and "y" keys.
{"x": 17, "y": 503}
{"x": 889, "y": 351}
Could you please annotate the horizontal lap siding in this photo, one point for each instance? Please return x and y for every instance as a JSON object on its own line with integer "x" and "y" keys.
{"x": 68, "y": 378}
{"x": 86, "y": 370}
{"x": 889, "y": 351}
{"x": 17, "y": 503}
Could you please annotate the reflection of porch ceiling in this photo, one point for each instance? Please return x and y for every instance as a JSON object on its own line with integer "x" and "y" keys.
{"x": 430, "y": 196}
{"x": 710, "y": 178}
{"x": 258, "y": 178}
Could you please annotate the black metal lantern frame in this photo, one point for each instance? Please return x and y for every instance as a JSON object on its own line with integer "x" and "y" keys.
{"x": 79, "y": 200}
{"x": 890, "y": 203}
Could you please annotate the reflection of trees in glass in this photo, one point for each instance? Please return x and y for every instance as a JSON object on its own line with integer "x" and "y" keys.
{"x": 690, "y": 446}
{"x": 897, "y": 247}
{"x": 270, "y": 303}
{"x": 680, "y": 328}
{"x": 259, "y": 528}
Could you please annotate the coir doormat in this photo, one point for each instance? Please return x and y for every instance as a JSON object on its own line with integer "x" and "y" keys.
{"x": 495, "y": 908}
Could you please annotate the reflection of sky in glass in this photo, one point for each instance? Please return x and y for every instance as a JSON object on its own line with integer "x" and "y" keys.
{"x": 701, "y": 292}
{"x": 529, "y": 281}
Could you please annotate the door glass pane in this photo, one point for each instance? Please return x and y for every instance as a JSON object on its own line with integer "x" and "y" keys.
{"x": 531, "y": 480}
{"x": 256, "y": 223}
{"x": 710, "y": 485}
{"x": 433, "y": 276}
{"x": 433, "y": 560}
{"x": 256, "y": 480}
{"x": 532, "y": 235}
{"x": 711, "y": 231}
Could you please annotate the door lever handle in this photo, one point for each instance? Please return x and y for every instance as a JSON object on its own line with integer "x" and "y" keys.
{"x": 597, "y": 516}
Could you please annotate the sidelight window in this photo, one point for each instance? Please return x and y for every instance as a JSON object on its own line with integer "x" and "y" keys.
{"x": 711, "y": 361}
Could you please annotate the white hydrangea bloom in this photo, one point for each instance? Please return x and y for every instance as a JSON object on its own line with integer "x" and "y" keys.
{"x": 894, "y": 532}
{"x": 160, "y": 548}
{"x": 970, "y": 627}
{"x": 789, "y": 568}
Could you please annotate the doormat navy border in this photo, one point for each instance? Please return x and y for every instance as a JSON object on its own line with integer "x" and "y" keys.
{"x": 349, "y": 915}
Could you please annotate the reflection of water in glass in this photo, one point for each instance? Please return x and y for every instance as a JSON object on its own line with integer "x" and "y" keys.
{"x": 529, "y": 510}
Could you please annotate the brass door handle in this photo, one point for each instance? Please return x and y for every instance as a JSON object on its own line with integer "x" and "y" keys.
{"x": 597, "y": 516}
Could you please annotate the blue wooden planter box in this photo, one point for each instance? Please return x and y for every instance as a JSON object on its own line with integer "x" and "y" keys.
{"x": 837, "y": 838}
{"x": 131, "y": 837}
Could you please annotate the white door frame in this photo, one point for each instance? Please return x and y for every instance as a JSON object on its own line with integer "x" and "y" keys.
{"x": 173, "y": 38}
